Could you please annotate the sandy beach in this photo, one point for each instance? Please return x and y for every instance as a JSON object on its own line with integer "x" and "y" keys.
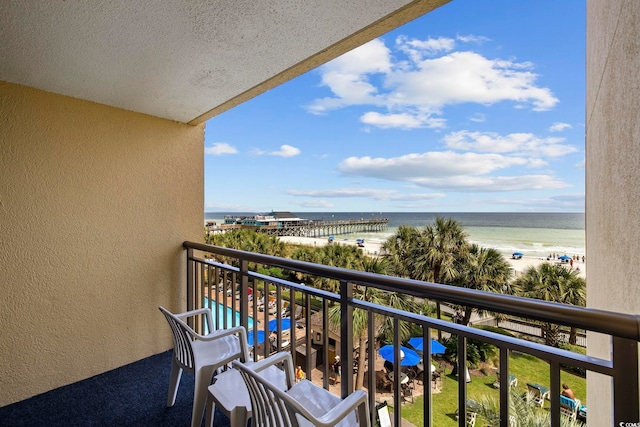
{"x": 518, "y": 265}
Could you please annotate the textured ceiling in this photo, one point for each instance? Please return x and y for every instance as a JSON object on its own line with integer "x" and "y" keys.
{"x": 182, "y": 60}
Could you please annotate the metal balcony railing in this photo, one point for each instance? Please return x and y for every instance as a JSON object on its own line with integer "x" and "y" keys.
{"x": 224, "y": 281}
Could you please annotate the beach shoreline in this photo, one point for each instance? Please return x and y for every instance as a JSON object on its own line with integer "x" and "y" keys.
{"x": 373, "y": 248}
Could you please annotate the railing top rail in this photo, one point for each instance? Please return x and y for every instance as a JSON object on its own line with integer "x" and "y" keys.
{"x": 607, "y": 322}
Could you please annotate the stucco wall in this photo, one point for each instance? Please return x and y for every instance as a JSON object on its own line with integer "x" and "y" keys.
{"x": 95, "y": 203}
{"x": 613, "y": 174}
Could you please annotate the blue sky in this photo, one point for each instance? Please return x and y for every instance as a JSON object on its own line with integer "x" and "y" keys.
{"x": 475, "y": 107}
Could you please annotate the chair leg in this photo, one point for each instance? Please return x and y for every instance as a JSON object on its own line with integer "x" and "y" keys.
{"x": 174, "y": 382}
{"x": 209, "y": 411}
{"x": 200, "y": 392}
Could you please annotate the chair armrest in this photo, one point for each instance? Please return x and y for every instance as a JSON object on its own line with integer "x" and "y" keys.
{"x": 275, "y": 359}
{"x": 193, "y": 313}
{"x": 219, "y": 333}
{"x": 356, "y": 401}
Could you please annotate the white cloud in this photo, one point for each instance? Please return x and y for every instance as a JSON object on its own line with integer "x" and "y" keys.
{"x": 559, "y": 127}
{"x": 286, "y": 151}
{"x": 319, "y": 204}
{"x": 462, "y": 77}
{"x": 523, "y": 143}
{"x": 402, "y": 120}
{"x": 347, "y": 76}
{"x": 570, "y": 198}
{"x": 422, "y": 84}
{"x": 342, "y": 192}
{"x": 478, "y": 118}
{"x": 225, "y": 207}
{"x": 412, "y": 167}
{"x": 470, "y": 38}
{"x": 418, "y": 49}
{"x": 551, "y": 204}
{"x": 478, "y": 184}
{"x": 373, "y": 193}
{"x": 220, "y": 148}
{"x": 451, "y": 171}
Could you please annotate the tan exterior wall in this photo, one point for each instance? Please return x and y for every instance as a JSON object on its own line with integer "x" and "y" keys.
{"x": 95, "y": 203}
{"x": 613, "y": 175}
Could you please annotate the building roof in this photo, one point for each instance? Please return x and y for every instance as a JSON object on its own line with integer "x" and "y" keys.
{"x": 183, "y": 61}
{"x": 284, "y": 215}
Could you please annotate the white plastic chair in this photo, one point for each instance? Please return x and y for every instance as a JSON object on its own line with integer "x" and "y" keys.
{"x": 201, "y": 355}
{"x": 300, "y": 404}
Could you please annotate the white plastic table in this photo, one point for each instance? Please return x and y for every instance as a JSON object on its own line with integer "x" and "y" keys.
{"x": 229, "y": 393}
{"x": 404, "y": 378}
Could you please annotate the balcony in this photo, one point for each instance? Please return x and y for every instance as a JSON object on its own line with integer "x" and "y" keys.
{"x": 229, "y": 276}
{"x": 135, "y": 394}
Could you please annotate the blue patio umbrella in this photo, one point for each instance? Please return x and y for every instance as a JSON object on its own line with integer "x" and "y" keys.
{"x": 564, "y": 258}
{"x": 409, "y": 357}
{"x": 261, "y": 336}
{"x": 517, "y": 254}
{"x": 285, "y": 323}
{"x": 436, "y": 347}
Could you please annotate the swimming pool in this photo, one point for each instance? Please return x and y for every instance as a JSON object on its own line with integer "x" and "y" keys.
{"x": 222, "y": 312}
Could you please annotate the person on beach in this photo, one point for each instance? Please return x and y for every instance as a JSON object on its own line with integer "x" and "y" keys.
{"x": 300, "y": 375}
{"x": 566, "y": 391}
{"x": 336, "y": 369}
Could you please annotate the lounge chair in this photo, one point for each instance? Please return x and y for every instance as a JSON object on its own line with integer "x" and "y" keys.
{"x": 538, "y": 392}
{"x": 513, "y": 380}
{"x": 382, "y": 414}
{"x": 471, "y": 412}
{"x": 569, "y": 407}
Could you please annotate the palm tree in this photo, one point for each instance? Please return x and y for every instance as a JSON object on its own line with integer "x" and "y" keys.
{"x": 554, "y": 283}
{"x": 399, "y": 248}
{"x": 361, "y": 317}
{"x": 440, "y": 246}
{"x": 483, "y": 269}
{"x": 521, "y": 412}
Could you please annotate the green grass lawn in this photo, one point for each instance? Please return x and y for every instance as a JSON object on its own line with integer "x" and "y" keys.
{"x": 525, "y": 367}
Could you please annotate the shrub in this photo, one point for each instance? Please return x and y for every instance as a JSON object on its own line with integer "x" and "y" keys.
{"x": 477, "y": 351}
{"x": 569, "y": 368}
{"x": 497, "y": 330}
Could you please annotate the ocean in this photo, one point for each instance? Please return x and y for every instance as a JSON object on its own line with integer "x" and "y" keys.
{"x": 533, "y": 234}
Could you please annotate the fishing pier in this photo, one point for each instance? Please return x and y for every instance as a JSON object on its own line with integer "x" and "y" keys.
{"x": 308, "y": 228}
{"x": 326, "y": 228}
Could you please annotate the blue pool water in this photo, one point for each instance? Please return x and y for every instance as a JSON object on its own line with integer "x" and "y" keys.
{"x": 219, "y": 313}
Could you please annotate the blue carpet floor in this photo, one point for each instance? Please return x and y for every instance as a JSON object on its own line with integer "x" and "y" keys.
{"x": 133, "y": 395}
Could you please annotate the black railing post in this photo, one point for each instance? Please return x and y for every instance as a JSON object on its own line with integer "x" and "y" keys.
{"x": 371, "y": 376}
{"x": 397, "y": 374}
{"x": 191, "y": 286}
{"x": 244, "y": 292}
{"x": 427, "y": 376}
{"x": 505, "y": 386}
{"x": 346, "y": 338}
{"x": 462, "y": 381}
{"x": 325, "y": 343}
{"x": 307, "y": 341}
{"x": 625, "y": 382}
{"x": 554, "y": 394}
